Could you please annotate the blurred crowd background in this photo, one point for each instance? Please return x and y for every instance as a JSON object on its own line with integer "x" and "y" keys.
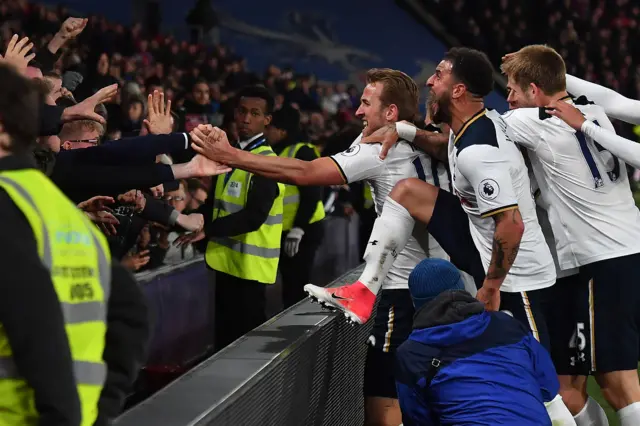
{"x": 595, "y": 37}
{"x": 200, "y": 81}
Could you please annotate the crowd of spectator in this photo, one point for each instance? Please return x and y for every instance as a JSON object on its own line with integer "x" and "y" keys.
{"x": 595, "y": 37}
{"x": 196, "y": 82}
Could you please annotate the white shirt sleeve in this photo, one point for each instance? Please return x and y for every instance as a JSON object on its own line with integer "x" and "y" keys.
{"x": 625, "y": 149}
{"x": 359, "y": 162}
{"x": 487, "y": 170}
{"x": 614, "y": 104}
{"x": 521, "y": 129}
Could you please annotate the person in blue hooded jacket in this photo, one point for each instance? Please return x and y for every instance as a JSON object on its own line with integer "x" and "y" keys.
{"x": 465, "y": 366}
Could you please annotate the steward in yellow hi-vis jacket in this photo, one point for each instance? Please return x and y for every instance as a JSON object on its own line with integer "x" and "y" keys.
{"x": 56, "y": 290}
{"x": 303, "y": 208}
{"x": 243, "y": 226}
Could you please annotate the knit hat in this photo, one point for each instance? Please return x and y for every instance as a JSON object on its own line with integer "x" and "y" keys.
{"x": 432, "y": 277}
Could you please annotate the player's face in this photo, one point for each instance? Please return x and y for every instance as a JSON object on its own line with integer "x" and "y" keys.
{"x": 251, "y": 117}
{"x": 441, "y": 86}
{"x": 519, "y": 98}
{"x": 371, "y": 110}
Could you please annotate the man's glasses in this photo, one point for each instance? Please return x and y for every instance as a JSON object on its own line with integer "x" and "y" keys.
{"x": 91, "y": 141}
{"x": 172, "y": 198}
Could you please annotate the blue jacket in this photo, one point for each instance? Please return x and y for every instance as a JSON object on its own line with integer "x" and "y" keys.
{"x": 464, "y": 366}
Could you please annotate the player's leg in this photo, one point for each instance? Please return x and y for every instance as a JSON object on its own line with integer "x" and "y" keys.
{"x": 410, "y": 200}
{"x": 614, "y": 334}
{"x": 392, "y": 325}
{"x": 566, "y": 310}
{"x": 526, "y": 307}
{"x": 390, "y": 234}
{"x": 414, "y": 200}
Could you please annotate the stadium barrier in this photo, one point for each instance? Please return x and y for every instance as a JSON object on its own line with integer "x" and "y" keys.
{"x": 178, "y": 297}
{"x": 302, "y": 367}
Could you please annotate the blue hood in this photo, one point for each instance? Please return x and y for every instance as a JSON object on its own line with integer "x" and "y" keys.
{"x": 451, "y": 318}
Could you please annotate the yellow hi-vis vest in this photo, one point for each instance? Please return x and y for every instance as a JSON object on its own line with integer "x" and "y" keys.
{"x": 368, "y": 197}
{"x": 292, "y": 195}
{"x": 253, "y": 256}
{"x": 78, "y": 258}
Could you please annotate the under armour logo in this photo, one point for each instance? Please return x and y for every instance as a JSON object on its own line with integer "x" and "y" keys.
{"x": 394, "y": 253}
{"x": 374, "y": 242}
{"x": 581, "y": 358}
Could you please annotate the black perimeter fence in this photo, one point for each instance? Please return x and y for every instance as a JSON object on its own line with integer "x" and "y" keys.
{"x": 304, "y": 367}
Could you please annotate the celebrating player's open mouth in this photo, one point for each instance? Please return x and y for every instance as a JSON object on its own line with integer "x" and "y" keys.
{"x": 438, "y": 107}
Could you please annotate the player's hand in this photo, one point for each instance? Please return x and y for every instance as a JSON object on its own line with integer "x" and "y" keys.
{"x": 567, "y": 113}
{"x": 215, "y": 145}
{"x": 387, "y": 135}
{"x": 17, "y": 54}
{"x": 159, "y": 120}
{"x": 201, "y": 131}
{"x": 201, "y": 166}
{"x": 186, "y": 239}
{"x": 490, "y": 297}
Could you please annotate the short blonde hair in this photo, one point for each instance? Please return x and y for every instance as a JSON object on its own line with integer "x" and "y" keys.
{"x": 537, "y": 64}
{"x": 398, "y": 89}
{"x": 71, "y": 130}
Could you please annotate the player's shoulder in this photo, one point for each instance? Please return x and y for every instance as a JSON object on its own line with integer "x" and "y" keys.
{"x": 360, "y": 149}
{"x": 528, "y": 116}
{"x": 586, "y": 106}
{"x": 479, "y": 132}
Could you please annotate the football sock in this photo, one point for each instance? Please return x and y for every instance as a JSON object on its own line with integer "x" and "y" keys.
{"x": 389, "y": 236}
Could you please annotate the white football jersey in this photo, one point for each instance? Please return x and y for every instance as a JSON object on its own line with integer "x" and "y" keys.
{"x": 543, "y": 219}
{"x": 591, "y": 208}
{"x": 361, "y": 162}
{"x": 489, "y": 177}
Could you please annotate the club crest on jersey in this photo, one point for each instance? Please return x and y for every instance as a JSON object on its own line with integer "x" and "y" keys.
{"x": 353, "y": 150}
{"x": 489, "y": 189}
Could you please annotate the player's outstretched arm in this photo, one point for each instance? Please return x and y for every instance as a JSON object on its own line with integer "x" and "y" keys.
{"x": 614, "y": 104}
{"x": 322, "y": 171}
{"x": 625, "y": 149}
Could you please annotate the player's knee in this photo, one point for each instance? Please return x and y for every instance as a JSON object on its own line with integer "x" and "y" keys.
{"x": 409, "y": 189}
{"x": 573, "y": 390}
{"x": 620, "y": 388}
{"x": 574, "y": 399}
{"x": 382, "y": 412}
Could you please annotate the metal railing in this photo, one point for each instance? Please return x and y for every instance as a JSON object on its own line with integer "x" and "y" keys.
{"x": 302, "y": 367}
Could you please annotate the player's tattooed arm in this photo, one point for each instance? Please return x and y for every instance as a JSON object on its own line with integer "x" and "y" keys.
{"x": 506, "y": 243}
{"x": 434, "y": 144}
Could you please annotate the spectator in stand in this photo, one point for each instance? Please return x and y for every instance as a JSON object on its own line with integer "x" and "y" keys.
{"x": 593, "y": 37}
{"x": 91, "y": 53}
